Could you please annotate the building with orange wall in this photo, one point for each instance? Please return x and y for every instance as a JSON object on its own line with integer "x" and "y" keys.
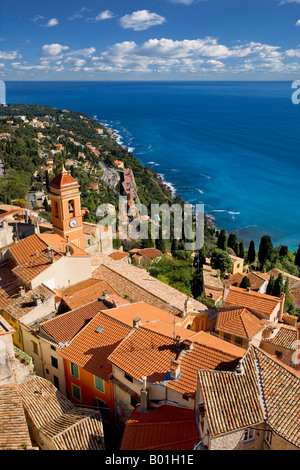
{"x": 87, "y": 370}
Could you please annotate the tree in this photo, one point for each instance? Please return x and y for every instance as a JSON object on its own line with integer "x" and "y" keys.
{"x": 233, "y": 243}
{"x": 297, "y": 258}
{"x": 245, "y": 283}
{"x": 265, "y": 250}
{"x": 278, "y": 286}
{"x": 175, "y": 245}
{"x": 251, "y": 252}
{"x": 161, "y": 245}
{"x": 241, "y": 250}
{"x": 222, "y": 241}
{"x": 270, "y": 286}
{"x": 283, "y": 251}
{"x": 221, "y": 260}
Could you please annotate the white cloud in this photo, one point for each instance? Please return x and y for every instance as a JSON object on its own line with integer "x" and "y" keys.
{"x": 141, "y": 20}
{"x": 37, "y": 18}
{"x": 51, "y": 23}
{"x": 104, "y": 15}
{"x": 53, "y": 49}
{"x": 297, "y": 23}
{"x": 186, "y": 2}
{"x": 9, "y": 55}
{"x": 78, "y": 15}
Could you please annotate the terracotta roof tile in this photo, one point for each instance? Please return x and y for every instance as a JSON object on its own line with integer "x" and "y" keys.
{"x": 260, "y": 303}
{"x": 14, "y": 433}
{"x": 148, "y": 353}
{"x": 266, "y": 390}
{"x": 90, "y": 348}
{"x": 239, "y": 322}
{"x": 65, "y": 326}
{"x": 164, "y": 427}
{"x": 284, "y": 337}
{"x": 52, "y": 414}
{"x": 86, "y": 292}
{"x": 22, "y": 305}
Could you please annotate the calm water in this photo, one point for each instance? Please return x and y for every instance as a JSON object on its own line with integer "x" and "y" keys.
{"x": 233, "y": 146}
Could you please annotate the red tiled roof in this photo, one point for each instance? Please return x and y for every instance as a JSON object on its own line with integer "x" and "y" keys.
{"x": 285, "y": 337}
{"x": 14, "y": 434}
{"x": 53, "y": 415}
{"x": 260, "y": 303}
{"x": 90, "y": 348}
{"x": 85, "y": 292}
{"x": 64, "y": 181}
{"x": 164, "y": 427}
{"x": 266, "y": 390}
{"x": 148, "y": 353}
{"x": 118, "y": 255}
{"x": 9, "y": 283}
{"x": 239, "y": 321}
{"x": 67, "y": 325}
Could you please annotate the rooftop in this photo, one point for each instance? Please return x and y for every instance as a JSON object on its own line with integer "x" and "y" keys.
{"x": 23, "y": 304}
{"x": 63, "y": 181}
{"x": 162, "y": 427}
{"x": 149, "y": 353}
{"x": 52, "y": 414}
{"x": 91, "y": 347}
{"x": 239, "y": 321}
{"x": 266, "y": 390}
{"x": 260, "y": 303}
{"x": 284, "y": 336}
{"x": 14, "y": 433}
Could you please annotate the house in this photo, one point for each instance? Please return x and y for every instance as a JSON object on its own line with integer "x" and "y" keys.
{"x": 55, "y": 423}
{"x": 28, "y": 308}
{"x": 258, "y": 281}
{"x": 254, "y": 407}
{"x": 145, "y": 256}
{"x": 15, "y": 366}
{"x": 240, "y": 326}
{"x": 163, "y": 426}
{"x": 87, "y": 370}
{"x": 50, "y": 335}
{"x": 237, "y": 264}
{"x": 14, "y": 433}
{"x": 84, "y": 293}
{"x": 119, "y": 255}
{"x": 212, "y": 284}
{"x": 119, "y": 164}
{"x": 49, "y": 259}
{"x": 294, "y": 281}
{"x": 282, "y": 341}
{"x": 137, "y": 285}
{"x": 268, "y": 306}
{"x": 165, "y": 366}
{"x": 97, "y": 238}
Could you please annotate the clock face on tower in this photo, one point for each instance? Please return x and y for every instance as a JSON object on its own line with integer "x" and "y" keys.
{"x": 73, "y": 223}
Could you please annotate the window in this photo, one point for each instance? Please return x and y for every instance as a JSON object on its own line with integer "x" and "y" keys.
{"x": 71, "y": 206}
{"x": 76, "y": 392}
{"x": 268, "y": 438}
{"x": 133, "y": 402}
{"x": 56, "y": 381}
{"x": 128, "y": 377}
{"x": 227, "y": 337}
{"x": 278, "y": 354}
{"x": 53, "y": 347}
{"x": 47, "y": 371}
{"x": 54, "y": 362}
{"x": 185, "y": 397}
{"x": 249, "y": 435}
{"x": 18, "y": 335}
{"x": 99, "y": 384}
{"x": 35, "y": 347}
{"x": 238, "y": 341}
{"x": 55, "y": 209}
{"x": 101, "y": 405}
{"x": 74, "y": 370}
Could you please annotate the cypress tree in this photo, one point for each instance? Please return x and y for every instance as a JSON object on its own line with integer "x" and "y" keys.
{"x": 297, "y": 258}
{"x": 265, "y": 250}
{"x": 233, "y": 243}
{"x": 283, "y": 251}
{"x": 251, "y": 252}
{"x": 278, "y": 286}
{"x": 245, "y": 283}
{"x": 241, "y": 250}
{"x": 270, "y": 286}
{"x": 222, "y": 241}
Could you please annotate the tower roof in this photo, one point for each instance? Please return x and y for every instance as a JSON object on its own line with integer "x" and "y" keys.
{"x": 64, "y": 180}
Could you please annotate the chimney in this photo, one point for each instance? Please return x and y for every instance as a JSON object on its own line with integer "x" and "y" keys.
{"x": 174, "y": 369}
{"x": 282, "y": 297}
{"x": 144, "y": 395}
{"x": 22, "y": 291}
{"x": 137, "y": 322}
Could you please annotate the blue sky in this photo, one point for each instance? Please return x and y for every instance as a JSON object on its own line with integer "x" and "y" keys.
{"x": 150, "y": 40}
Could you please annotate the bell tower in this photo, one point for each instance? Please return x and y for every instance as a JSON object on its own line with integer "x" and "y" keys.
{"x": 66, "y": 208}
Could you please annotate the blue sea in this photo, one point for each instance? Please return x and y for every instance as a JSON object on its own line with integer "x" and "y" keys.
{"x": 233, "y": 146}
